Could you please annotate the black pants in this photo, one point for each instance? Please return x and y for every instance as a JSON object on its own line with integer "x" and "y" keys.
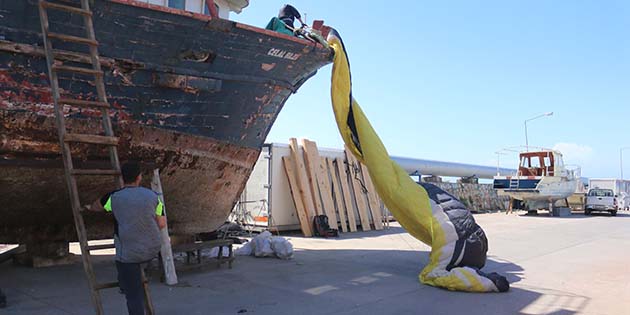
{"x": 130, "y": 280}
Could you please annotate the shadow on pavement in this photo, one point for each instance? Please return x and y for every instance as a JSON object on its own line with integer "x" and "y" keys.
{"x": 328, "y": 281}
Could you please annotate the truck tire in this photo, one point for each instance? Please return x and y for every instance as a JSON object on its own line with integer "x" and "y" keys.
{"x": 613, "y": 213}
{"x": 587, "y": 212}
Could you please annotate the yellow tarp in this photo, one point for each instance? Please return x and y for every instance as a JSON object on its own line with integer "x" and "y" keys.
{"x": 407, "y": 201}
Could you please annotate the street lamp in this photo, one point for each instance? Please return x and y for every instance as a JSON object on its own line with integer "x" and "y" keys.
{"x": 539, "y": 116}
{"x": 621, "y": 160}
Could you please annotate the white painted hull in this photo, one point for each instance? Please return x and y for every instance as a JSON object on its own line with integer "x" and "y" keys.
{"x": 549, "y": 189}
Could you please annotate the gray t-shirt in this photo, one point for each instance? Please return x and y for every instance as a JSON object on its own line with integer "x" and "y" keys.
{"x": 136, "y": 234}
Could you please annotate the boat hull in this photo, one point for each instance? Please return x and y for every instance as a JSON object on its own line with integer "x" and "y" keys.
{"x": 192, "y": 96}
{"x": 537, "y": 192}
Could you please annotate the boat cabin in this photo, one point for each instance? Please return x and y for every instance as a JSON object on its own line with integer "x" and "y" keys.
{"x": 222, "y": 7}
{"x": 540, "y": 163}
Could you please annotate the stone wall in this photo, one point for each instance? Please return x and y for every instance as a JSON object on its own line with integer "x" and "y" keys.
{"x": 477, "y": 197}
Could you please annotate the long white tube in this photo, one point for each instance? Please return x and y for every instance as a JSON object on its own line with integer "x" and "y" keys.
{"x": 439, "y": 168}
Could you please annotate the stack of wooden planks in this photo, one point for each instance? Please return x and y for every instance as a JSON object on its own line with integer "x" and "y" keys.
{"x": 340, "y": 188}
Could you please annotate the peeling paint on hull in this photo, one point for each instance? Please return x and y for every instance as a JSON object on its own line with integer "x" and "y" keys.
{"x": 201, "y": 178}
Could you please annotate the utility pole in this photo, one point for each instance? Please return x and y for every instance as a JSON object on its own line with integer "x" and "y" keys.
{"x": 621, "y": 160}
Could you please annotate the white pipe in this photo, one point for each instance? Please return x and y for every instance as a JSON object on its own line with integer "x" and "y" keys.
{"x": 440, "y": 168}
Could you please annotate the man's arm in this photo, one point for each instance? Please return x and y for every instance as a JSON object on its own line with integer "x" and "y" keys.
{"x": 102, "y": 204}
{"x": 160, "y": 218}
{"x": 161, "y": 221}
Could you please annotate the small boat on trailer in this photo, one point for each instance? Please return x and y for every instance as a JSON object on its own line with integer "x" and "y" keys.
{"x": 542, "y": 179}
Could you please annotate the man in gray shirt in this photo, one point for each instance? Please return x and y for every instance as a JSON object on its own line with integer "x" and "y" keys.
{"x": 138, "y": 218}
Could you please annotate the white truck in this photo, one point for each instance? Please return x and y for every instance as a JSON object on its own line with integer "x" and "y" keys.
{"x": 620, "y": 188}
{"x": 599, "y": 199}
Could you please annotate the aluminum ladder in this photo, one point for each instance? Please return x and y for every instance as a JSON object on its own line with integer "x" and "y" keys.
{"x": 55, "y": 66}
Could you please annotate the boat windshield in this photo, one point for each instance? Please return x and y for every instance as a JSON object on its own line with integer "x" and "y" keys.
{"x": 536, "y": 164}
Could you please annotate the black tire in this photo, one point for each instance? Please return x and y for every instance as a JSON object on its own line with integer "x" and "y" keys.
{"x": 587, "y": 212}
{"x": 613, "y": 213}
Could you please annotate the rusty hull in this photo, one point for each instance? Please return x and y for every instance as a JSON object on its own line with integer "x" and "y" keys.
{"x": 201, "y": 178}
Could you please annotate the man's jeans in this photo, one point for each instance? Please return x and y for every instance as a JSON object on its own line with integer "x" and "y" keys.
{"x": 130, "y": 280}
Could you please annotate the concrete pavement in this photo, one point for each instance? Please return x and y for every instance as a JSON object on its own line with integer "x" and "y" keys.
{"x": 557, "y": 266}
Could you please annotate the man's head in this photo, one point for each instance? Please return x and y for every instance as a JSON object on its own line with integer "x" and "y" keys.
{"x": 288, "y": 14}
{"x": 131, "y": 173}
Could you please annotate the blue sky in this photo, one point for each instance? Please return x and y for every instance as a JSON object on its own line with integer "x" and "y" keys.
{"x": 454, "y": 80}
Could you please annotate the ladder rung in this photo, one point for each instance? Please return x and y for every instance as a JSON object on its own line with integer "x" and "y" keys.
{"x": 82, "y": 103}
{"x": 94, "y": 172}
{"x": 93, "y": 139}
{"x": 76, "y": 69}
{"x": 67, "y": 8}
{"x": 101, "y": 247}
{"x": 76, "y": 56}
{"x": 74, "y": 39}
{"x": 108, "y": 285}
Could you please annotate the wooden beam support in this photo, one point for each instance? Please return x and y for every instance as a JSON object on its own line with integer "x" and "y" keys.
{"x": 342, "y": 173}
{"x": 311, "y": 161}
{"x": 372, "y": 195}
{"x": 357, "y": 188}
{"x": 311, "y": 153}
{"x": 302, "y": 179}
{"x": 294, "y": 187}
{"x": 166, "y": 251}
{"x": 340, "y": 206}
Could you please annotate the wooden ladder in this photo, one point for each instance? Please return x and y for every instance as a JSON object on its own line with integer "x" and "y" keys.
{"x": 65, "y": 139}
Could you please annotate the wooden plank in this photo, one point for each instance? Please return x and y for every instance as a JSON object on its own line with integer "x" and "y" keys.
{"x": 327, "y": 196}
{"x": 92, "y": 139}
{"x": 101, "y": 247}
{"x": 82, "y": 103}
{"x": 325, "y": 188}
{"x": 338, "y": 200}
{"x": 385, "y": 214}
{"x": 67, "y": 8}
{"x": 311, "y": 161}
{"x": 302, "y": 180}
{"x": 294, "y": 187}
{"x": 58, "y": 68}
{"x": 357, "y": 189}
{"x": 99, "y": 172}
{"x": 166, "y": 251}
{"x": 375, "y": 207}
{"x": 323, "y": 182}
{"x": 73, "y": 39}
{"x": 343, "y": 178}
{"x": 6, "y": 255}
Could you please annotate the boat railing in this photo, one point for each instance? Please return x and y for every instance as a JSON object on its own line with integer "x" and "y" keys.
{"x": 573, "y": 171}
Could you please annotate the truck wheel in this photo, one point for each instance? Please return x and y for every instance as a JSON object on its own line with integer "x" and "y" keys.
{"x": 587, "y": 212}
{"x": 613, "y": 213}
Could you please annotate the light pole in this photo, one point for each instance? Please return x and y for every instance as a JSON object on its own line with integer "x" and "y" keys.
{"x": 526, "y": 120}
{"x": 621, "y": 160}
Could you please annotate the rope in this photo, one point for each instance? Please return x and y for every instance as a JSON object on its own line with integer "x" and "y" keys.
{"x": 307, "y": 33}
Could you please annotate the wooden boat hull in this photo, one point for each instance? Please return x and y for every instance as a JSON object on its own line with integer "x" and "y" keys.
{"x": 192, "y": 96}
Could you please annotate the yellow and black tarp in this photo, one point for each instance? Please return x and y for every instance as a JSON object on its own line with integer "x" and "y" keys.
{"x": 427, "y": 212}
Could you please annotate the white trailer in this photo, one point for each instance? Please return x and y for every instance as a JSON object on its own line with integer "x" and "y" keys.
{"x": 266, "y": 201}
{"x": 620, "y": 187}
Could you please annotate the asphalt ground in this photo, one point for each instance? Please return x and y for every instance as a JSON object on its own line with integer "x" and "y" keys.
{"x": 556, "y": 266}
